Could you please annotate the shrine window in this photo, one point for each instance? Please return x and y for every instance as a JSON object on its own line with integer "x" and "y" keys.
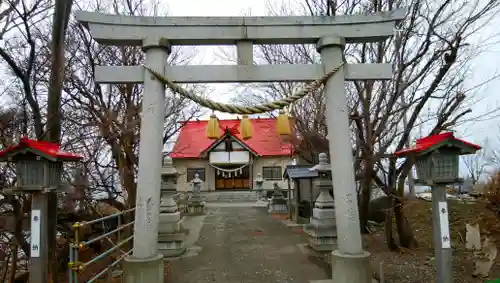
{"x": 192, "y": 171}
{"x": 272, "y": 173}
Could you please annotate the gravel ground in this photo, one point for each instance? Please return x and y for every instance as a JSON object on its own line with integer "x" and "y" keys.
{"x": 243, "y": 244}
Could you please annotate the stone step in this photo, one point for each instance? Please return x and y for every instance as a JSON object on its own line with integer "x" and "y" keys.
{"x": 229, "y": 196}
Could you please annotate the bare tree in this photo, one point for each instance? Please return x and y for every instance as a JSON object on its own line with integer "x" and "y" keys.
{"x": 431, "y": 54}
{"x": 19, "y": 50}
{"x": 476, "y": 165}
{"x": 109, "y": 116}
{"x": 98, "y": 121}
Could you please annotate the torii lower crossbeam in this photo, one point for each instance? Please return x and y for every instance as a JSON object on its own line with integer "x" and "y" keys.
{"x": 241, "y": 73}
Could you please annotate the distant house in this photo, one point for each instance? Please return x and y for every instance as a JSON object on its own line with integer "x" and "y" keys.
{"x": 231, "y": 163}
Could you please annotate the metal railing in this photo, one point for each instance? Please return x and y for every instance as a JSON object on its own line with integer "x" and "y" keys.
{"x": 76, "y": 267}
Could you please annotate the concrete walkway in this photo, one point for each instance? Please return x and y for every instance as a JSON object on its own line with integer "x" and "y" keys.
{"x": 244, "y": 244}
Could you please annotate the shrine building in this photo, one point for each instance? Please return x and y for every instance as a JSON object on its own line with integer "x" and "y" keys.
{"x": 231, "y": 162}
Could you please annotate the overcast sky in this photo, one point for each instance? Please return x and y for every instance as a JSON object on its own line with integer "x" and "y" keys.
{"x": 482, "y": 66}
{"x": 211, "y": 55}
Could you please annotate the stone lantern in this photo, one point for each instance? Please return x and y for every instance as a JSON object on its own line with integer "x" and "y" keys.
{"x": 322, "y": 228}
{"x": 169, "y": 177}
{"x": 195, "y": 205}
{"x": 259, "y": 187}
{"x": 38, "y": 164}
{"x": 323, "y": 182}
{"x": 196, "y": 183}
{"x": 278, "y": 204}
{"x": 170, "y": 235}
{"x": 437, "y": 160}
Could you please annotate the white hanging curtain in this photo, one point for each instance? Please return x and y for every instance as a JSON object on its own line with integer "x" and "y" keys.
{"x": 228, "y": 172}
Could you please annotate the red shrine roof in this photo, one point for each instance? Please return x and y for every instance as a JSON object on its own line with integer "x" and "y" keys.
{"x": 49, "y": 149}
{"x": 192, "y": 141}
{"x": 430, "y": 141}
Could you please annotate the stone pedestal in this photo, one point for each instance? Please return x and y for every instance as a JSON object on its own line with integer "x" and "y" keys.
{"x": 170, "y": 235}
{"x": 278, "y": 202}
{"x": 143, "y": 270}
{"x": 195, "y": 206}
{"x": 278, "y": 208}
{"x": 322, "y": 228}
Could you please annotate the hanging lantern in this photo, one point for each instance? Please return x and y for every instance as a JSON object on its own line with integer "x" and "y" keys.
{"x": 246, "y": 128}
{"x": 283, "y": 124}
{"x": 213, "y": 129}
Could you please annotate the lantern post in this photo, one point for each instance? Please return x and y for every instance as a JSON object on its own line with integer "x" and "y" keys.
{"x": 437, "y": 161}
{"x": 39, "y": 168}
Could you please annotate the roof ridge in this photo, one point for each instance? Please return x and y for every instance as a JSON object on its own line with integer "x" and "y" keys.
{"x": 222, "y": 120}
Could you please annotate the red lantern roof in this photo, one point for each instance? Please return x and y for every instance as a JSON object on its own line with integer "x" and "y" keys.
{"x": 434, "y": 141}
{"x": 49, "y": 150}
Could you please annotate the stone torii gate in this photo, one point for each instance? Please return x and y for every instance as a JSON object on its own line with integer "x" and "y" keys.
{"x": 330, "y": 34}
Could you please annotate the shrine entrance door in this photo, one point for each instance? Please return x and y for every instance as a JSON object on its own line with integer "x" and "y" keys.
{"x": 232, "y": 180}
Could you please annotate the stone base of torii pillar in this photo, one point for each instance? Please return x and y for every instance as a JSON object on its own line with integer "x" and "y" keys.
{"x": 143, "y": 270}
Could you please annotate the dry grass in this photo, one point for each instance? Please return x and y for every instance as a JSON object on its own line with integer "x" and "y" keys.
{"x": 417, "y": 265}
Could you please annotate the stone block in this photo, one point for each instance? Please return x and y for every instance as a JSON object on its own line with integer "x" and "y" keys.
{"x": 277, "y": 208}
{"x": 322, "y": 230}
{"x": 195, "y": 208}
{"x": 278, "y": 201}
{"x": 323, "y": 213}
{"x": 171, "y": 237}
{"x": 169, "y": 222}
{"x": 172, "y": 249}
{"x": 170, "y": 217}
{"x": 323, "y": 244}
{"x": 322, "y": 222}
{"x": 169, "y": 227}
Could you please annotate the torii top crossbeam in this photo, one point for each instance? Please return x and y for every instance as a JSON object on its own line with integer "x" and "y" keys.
{"x": 242, "y": 32}
{"x": 125, "y": 30}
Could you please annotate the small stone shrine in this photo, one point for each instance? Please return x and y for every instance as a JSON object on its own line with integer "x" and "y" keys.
{"x": 259, "y": 188}
{"x": 195, "y": 204}
{"x": 170, "y": 234}
{"x": 278, "y": 202}
{"x": 322, "y": 229}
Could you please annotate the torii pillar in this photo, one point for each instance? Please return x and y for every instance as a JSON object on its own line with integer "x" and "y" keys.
{"x": 350, "y": 263}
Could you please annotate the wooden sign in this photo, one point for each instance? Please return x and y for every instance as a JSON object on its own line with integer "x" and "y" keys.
{"x": 36, "y": 218}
